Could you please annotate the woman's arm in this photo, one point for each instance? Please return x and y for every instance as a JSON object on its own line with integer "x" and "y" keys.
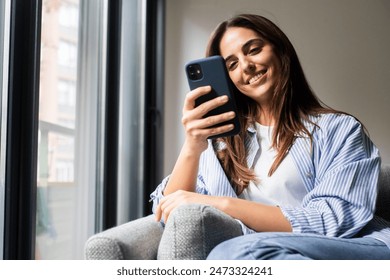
{"x": 197, "y": 129}
{"x": 182, "y": 181}
{"x": 341, "y": 175}
{"x": 256, "y": 216}
{"x": 185, "y": 171}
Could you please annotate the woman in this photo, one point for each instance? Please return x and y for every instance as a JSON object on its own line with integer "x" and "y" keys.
{"x": 298, "y": 178}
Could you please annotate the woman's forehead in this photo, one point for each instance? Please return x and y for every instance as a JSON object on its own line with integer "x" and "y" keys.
{"x": 235, "y": 38}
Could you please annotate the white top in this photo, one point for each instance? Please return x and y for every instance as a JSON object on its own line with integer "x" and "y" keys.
{"x": 285, "y": 186}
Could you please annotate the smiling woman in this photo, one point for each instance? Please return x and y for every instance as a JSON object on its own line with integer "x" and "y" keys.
{"x": 311, "y": 153}
{"x": 298, "y": 178}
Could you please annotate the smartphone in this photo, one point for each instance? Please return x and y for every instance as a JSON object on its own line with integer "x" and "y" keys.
{"x": 211, "y": 71}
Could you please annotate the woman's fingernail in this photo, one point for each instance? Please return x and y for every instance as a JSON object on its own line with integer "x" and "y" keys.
{"x": 224, "y": 98}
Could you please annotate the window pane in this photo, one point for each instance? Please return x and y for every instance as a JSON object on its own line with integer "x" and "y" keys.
{"x": 72, "y": 114}
{"x": 68, "y": 126}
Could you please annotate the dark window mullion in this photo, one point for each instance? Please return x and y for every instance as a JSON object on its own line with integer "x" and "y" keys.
{"x": 22, "y": 130}
{"x": 154, "y": 95}
{"x": 110, "y": 178}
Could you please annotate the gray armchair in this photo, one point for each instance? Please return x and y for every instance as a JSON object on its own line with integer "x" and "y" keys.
{"x": 147, "y": 239}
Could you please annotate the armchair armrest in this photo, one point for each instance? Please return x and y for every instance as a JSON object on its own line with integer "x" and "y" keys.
{"x": 135, "y": 240}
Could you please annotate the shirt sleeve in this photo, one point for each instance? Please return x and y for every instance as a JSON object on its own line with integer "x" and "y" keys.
{"x": 343, "y": 180}
{"x": 157, "y": 195}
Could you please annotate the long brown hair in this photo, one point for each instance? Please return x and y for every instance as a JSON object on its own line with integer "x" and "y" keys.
{"x": 292, "y": 103}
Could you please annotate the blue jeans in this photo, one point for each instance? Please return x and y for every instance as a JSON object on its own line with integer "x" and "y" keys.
{"x": 292, "y": 246}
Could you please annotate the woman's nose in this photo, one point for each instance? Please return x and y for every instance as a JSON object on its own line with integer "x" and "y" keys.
{"x": 248, "y": 66}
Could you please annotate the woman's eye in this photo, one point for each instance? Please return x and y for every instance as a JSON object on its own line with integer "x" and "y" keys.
{"x": 231, "y": 65}
{"x": 254, "y": 50}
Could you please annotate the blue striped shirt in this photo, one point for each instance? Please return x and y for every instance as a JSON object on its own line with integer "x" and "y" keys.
{"x": 339, "y": 170}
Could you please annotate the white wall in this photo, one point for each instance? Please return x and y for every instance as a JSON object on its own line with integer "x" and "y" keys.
{"x": 343, "y": 46}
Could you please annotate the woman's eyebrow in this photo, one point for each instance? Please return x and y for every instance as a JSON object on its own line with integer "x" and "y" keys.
{"x": 251, "y": 42}
{"x": 246, "y": 46}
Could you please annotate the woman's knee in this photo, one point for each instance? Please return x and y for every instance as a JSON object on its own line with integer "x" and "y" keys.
{"x": 258, "y": 246}
{"x": 232, "y": 249}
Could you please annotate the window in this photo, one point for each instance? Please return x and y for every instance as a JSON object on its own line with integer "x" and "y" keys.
{"x": 68, "y": 127}
{"x": 88, "y": 65}
{"x": 73, "y": 123}
{"x": 67, "y": 54}
{"x": 68, "y": 14}
{"x": 66, "y": 102}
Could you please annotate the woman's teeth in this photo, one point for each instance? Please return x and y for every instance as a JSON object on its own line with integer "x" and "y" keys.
{"x": 255, "y": 78}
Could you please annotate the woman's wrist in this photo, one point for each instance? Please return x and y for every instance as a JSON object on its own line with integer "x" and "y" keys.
{"x": 191, "y": 149}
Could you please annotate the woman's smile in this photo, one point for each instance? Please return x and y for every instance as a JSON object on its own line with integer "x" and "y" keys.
{"x": 257, "y": 78}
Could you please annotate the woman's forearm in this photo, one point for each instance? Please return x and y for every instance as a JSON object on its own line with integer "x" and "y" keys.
{"x": 184, "y": 173}
{"x": 257, "y": 216}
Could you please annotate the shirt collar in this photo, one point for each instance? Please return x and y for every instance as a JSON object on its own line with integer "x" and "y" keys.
{"x": 251, "y": 129}
{"x": 252, "y": 145}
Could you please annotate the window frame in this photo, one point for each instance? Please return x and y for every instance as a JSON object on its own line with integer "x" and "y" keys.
{"x": 22, "y": 130}
{"x": 20, "y": 120}
{"x": 4, "y": 50}
{"x": 154, "y": 98}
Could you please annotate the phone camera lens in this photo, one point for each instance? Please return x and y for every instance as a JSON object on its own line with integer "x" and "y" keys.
{"x": 194, "y": 72}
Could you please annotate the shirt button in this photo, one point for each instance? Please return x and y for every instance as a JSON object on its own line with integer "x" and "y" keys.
{"x": 309, "y": 175}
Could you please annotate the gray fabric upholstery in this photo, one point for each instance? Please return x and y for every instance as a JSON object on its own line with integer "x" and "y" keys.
{"x": 192, "y": 231}
{"x": 135, "y": 240}
{"x": 383, "y": 200}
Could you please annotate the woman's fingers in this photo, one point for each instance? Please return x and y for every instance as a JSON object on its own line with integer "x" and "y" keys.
{"x": 165, "y": 207}
{"x": 172, "y": 201}
{"x": 219, "y": 130}
{"x": 198, "y": 127}
{"x": 189, "y": 102}
{"x": 167, "y": 211}
{"x": 204, "y": 108}
{"x": 190, "y": 112}
{"x": 215, "y": 120}
{"x": 210, "y": 126}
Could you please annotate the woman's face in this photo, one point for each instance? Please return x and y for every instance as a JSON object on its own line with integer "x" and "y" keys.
{"x": 251, "y": 63}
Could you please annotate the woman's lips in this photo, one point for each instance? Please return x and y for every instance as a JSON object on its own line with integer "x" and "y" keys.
{"x": 257, "y": 77}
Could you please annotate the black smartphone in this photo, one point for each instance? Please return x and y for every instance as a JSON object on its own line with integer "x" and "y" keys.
{"x": 211, "y": 71}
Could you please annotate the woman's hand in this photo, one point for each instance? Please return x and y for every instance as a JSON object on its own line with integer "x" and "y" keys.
{"x": 178, "y": 198}
{"x": 257, "y": 216}
{"x": 197, "y": 128}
